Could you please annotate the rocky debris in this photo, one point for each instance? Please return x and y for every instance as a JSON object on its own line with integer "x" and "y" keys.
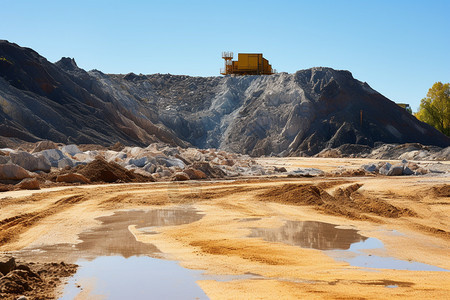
{"x": 306, "y": 172}
{"x": 410, "y": 151}
{"x": 44, "y": 145}
{"x": 13, "y": 172}
{"x": 346, "y": 150}
{"x": 280, "y": 169}
{"x": 53, "y": 156}
{"x": 29, "y": 184}
{"x": 282, "y": 114}
{"x": 210, "y": 171}
{"x": 30, "y": 162}
{"x": 34, "y": 280}
{"x": 406, "y": 168}
{"x": 72, "y": 178}
{"x": 72, "y": 150}
{"x": 180, "y": 176}
{"x": 195, "y": 174}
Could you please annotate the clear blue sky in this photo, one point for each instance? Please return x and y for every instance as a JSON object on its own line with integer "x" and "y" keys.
{"x": 399, "y": 47}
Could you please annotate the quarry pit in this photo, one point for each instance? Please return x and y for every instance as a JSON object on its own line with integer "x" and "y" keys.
{"x": 207, "y": 231}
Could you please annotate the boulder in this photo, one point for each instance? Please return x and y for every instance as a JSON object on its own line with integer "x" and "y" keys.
{"x": 372, "y": 168}
{"x": 195, "y": 174}
{"x": 210, "y": 171}
{"x": 53, "y": 156}
{"x": 29, "y": 184}
{"x": 395, "y": 170}
{"x": 180, "y": 176}
{"x": 138, "y": 162}
{"x": 421, "y": 171}
{"x": 71, "y": 150}
{"x": 280, "y": 170}
{"x": 13, "y": 172}
{"x": 307, "y": 172}
{"x": 170, "y": 162}
{"x": 66, "y": 162}
{"x": 72, "y": 178}
{"x": 143, "y": 173}
{"x": 44, "y": 145}
{"x": 37, "y": 162}
{"x": 407, "y": 171}
{"x": 149, "y": 167}
{"x": 165, "y": 173}
{"x": 384, "y": 168}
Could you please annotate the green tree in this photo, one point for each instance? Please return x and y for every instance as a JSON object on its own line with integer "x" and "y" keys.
{"x": 435, "y": 108}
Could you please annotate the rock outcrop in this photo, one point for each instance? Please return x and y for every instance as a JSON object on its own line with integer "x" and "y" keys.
{"x": 281, "y": 114}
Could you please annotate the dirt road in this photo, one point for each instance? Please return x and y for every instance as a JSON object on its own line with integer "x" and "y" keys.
{"x": 409, "y": 215}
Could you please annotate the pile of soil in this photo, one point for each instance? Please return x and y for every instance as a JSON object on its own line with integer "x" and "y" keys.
{"x": 100, "y": 170}
{"x": 346, "y": 202}
{"x": 441, "y": 191}
{"x": 33, "y": 280}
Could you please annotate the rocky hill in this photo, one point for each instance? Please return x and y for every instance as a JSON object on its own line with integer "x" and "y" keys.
{"x": 281, "y": 114}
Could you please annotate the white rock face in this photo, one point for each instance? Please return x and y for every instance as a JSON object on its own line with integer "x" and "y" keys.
{"x": 53, "y": 156}
{"x": 71, "y": 150}
{"x": 37, "y": 162}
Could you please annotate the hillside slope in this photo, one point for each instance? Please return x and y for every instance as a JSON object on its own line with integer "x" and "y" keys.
{"x": 287, "y": 114}
{"x": 39, "y": 100}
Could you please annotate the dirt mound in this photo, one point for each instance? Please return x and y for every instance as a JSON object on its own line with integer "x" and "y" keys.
{"x": 441, "y": 191}
{"x": 34, "y": 280}
{"x": 100, "y": 170}
{"x": 345, "y": 201}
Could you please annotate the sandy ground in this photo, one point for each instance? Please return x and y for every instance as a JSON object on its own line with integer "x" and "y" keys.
{"x": 417, "y": 207}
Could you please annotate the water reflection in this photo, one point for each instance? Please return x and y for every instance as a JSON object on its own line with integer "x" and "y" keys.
{"x": 142, "y": 277}
{"x": 112, "y": 236}
{"x": 341, "y": 244}
{"x": 310, "y": 234}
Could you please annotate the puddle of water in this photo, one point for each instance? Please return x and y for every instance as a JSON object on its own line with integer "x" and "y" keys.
{"x": 114, "y": 265}
{"x": 360, "y": 258}
{"x": 310, "y": 234}
{"x": 112, "y": 237}
{"x": 135, "y": 277}
{"x": 339, "y": 243}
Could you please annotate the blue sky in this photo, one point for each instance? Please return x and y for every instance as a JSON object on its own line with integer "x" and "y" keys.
{"x": 399, "y": 47}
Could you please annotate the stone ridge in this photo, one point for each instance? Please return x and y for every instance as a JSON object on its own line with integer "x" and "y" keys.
{"x": 281, "y": 114}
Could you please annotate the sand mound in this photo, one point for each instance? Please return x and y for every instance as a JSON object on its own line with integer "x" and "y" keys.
{"x": 441, "y": 191}
{"x": 34, "y": 280}
{"x": 100, "y": 170}
{"x": 345, "y": 202}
